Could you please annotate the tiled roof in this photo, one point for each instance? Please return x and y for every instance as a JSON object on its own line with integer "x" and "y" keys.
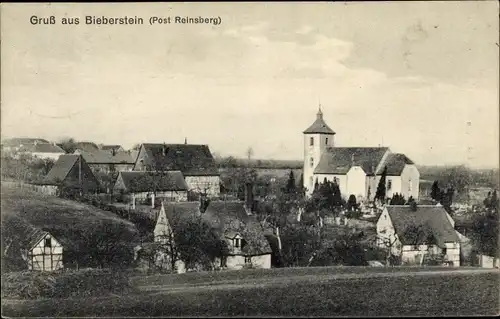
{"x": 43, "y": 148}
{"x": 190, "y": 159}
{"x": 23, "y": 233}
{"x": 226, "y": 218}
{"x": 61, "y": 169}
{"x": 17, "y": 141}
{"x": 86, "y": 146}
{"x": 105, "y": 157}
{"x": 139, "y": 181}
{"x": 319, "y": 126}
{"x": 110, "y": 147}
{"x": 435, "y": 217}
{"x": 396, "y": 163}
{"x": 338, "y": 160}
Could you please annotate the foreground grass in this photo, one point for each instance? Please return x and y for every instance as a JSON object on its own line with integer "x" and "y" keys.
{"x": 460, "y": 294}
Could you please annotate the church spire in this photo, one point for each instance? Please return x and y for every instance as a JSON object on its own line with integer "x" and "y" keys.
{"x": 319, "y": 115}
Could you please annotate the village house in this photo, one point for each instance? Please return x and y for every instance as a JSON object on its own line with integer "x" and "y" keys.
{"x": 140, "y": 185}
{"x": 107, "y": 161}
{"x": 357, "y": 170}
{"x": 111, "y": 148}
{"x": 396, "y": 229}
{"x": 194, "y": 161}
{"x": 42, "y": 150}
{"x": 28, "y": 247}
{"x": 70, "y": 174}
{"x": 232, "y": 221}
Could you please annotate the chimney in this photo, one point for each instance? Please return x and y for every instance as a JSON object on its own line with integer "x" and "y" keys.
{"x": 249, "y": 198}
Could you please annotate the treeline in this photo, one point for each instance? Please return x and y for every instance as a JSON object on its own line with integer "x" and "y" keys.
{"x": 460, "y": 177}
{"x": 232, "y": 162}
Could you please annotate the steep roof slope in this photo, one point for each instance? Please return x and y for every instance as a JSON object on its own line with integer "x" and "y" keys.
{"x": 319, "y": 126}
{"x": 402, "y": 216}
{"x": 339, "y": 160}
{"x": 140, "y": 181}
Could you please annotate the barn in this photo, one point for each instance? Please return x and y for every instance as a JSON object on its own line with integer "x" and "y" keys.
{"x": 43, "y": 252}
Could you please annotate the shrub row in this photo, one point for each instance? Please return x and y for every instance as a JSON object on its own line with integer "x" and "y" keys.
{"x": 65, "y": 284}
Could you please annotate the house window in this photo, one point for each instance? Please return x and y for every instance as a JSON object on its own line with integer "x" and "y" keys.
{"x": 237, "y": 243}
{"x": 311, "y": 141}
{"x": 326, "y": 141}
{"x": 311, "y": 160}
{"x": 248, "y": 260}
{"x": 48, "y": 242}
{"x": 389, "y": 184}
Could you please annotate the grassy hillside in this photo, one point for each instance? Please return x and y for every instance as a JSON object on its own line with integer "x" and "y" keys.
{"x": 81, "y": 228}
{"x": 310, "y": 292}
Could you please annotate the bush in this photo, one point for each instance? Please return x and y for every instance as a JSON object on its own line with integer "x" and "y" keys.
{"x": 71, "y": 283}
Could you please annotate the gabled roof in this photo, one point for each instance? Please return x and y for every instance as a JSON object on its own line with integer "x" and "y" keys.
{"x": 86, "y": 146}
{"x": 43, "y": 148}
{"x": 228, "y": 217}
{"x": 110, "y": 147}
{"x": 339, "y": 160}
{"x": 17, "y": 141}
{"x": 105, "y": 157}
{"x": 319, "y": 126}
{"x": 61, "y": 169}
{"x": 190, "y": 159}
{"x": 25, "y": 235}
{"x": 396, "y": 163}
{"x": 435, "y": 217}
{"x": 140, "y": 181}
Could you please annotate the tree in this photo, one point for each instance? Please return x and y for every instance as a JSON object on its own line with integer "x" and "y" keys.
{"x": 397, "y": 199}
{"x": 68, "y": 145}
{"x": 418, "y": 235}
{"x": 351, "y": 203}
{"x": 435, "y": 191}
{"x": 381, "y": 190}
{"x": 388, "y": 243}
{"x": 249, "y": 153}
{"x": 447, "y": 198}
{"x": 290, "y": 186}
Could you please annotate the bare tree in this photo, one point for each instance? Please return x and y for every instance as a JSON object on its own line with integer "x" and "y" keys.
{"x": 388, "y": 242}
{"x": 250, "y": 153}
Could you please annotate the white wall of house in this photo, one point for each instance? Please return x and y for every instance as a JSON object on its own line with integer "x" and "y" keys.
{"x": 355, "y": 182}
{"x": 45, "y": 257}
{"x": 238, "y": 261}
{"x": 210, "y": 184}
{"x": 410, "y": 182}
{"x": 386, "y": 233}
{"x": 46, "y": 189}
{"x": 52, "y": 156}
{"x": 167, "y": 195}
{"x": 452, "y": 253}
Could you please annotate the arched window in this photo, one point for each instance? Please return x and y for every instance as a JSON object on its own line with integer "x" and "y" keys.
{"x": 326, "y": 141}
{"x": 311, "y": 141}
{"x": 311, "y": 160}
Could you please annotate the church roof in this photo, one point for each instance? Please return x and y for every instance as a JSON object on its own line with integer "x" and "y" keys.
{"x": 319, "y": 126}
{"x": 339, "y": 160}
{"x": 395, "y": 163}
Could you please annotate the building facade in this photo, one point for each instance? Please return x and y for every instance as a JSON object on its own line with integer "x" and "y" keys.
{"x": 357, "y": 170}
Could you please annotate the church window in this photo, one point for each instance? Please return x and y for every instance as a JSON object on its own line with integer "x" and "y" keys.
{"x": 312, "y": 161}
{"x": 389, "y": 184}
{"x": 326, "y": 141}
{"x": 311, "y": 141}
{"x": 409, "y": 185}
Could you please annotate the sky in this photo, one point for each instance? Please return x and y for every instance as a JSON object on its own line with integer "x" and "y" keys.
{"x": 421, "y": 78}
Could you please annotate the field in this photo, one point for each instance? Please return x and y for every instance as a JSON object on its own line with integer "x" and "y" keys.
{"x": 328, "y": 291}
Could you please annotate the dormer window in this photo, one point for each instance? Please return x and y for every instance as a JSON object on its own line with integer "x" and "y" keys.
{"x": 311, "y": 141}
{"x": 237, "y": 243}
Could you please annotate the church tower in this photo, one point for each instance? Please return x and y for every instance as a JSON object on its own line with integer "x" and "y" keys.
{"x": 317, "y": 138}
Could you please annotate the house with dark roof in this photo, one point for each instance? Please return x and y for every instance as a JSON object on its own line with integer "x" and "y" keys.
{"x": 107, "y": 161}
{"x": 194, "y": 161}
{"x": 28, "y": 247}
{"x": 169, "y": 186}
{"x": 357, "y": 170}
{"x": 232, "y": 221}
{"x": 42, "y": 150}
{"x": 415, "y": 231}
{"x": 70, "y": 174}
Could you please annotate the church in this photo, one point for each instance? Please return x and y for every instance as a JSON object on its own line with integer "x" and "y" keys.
{"x": 357, "y": 170}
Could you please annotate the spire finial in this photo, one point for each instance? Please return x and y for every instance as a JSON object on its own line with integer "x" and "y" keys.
{"x": 320, "y": 113}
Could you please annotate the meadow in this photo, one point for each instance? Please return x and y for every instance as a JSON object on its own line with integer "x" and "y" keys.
{"x": 329, "y": 291}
